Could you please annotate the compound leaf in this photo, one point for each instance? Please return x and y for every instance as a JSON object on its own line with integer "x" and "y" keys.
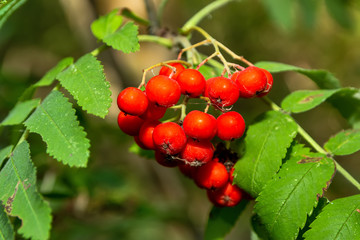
{"x": 323, "y": 78}
{"x": 339, "y": 220}
{"x": 6, "y": 229}
{"x": 85, "y": 80}
{"x": 266, "y": 144}
{"x": 7, "y": 7}
{"x": 304, "y": 100}
{"x": 125, "y": 39}
{"x": 21, "y": 197}
{"x": 344, "y": 143}
{"x": 20, "y": 112}
{"x": 56, "y": 122}
{"x": 222, "y": 220}
{"x": 106, "y": 25}
{"x": 291, "y": 195}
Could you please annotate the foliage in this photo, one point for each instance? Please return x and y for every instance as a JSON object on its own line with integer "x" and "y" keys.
{"x": 287, "y": 180}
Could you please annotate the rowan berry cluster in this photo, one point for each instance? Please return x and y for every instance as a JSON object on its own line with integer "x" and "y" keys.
{"x": 187, "y": 143}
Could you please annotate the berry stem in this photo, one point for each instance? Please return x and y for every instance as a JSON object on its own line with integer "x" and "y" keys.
{"x": 316, "y": 146}
{"x": 192, "y": 46}
{"x": 232, "y": 54}
{"x": 193, "y": 21}
{"x": 131, "y": 15}
{"x": 98, "y": 50}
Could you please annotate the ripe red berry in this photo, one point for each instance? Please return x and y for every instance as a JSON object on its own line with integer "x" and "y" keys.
{"x": 200, "y": 125}
{"x": 188, "y": 170}
{"x": 139, "y": 143}
{"x": 132, "y": 101}
{"x": 146, "y": 133}
{"x": 227, "y": 196}
{"x": 167, "y": 71}
{"x": 211, "y": 175}
{"x": 153, "y": 112}
{"x": 169, "y": 138}
{"x": 221, "y": 91}
{"x": 197, "y": 152}
{"x": 231, "y": 174}
{"x": 269, "y": 84}
{"x": 192, "y": 82}
{"x": 230, "y": 125}
{"x": 251, "y": 81}
{"x": 165, "y": 160}
{"x": 129, "y": 124}
{"x": 163, "y": 91}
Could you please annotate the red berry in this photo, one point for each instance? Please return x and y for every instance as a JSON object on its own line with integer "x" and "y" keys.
{"x": 153, "y": 112}
{"x": 139, "y": 143}
{"x": 146, "y": 133}
{"x": 269, "y": 84}
{"x": 132, "y": 101}
{"x": 169, "y": 138}
{"x": 251, "y": 81}
{"x": 166, "y": 71}
{"x": 165, "y": 160}
{"x": 163, "y": 91}
{"x": 231, "y": 174}
{"x": 230, "y": 125}
{"x": 227, "y": 196}
{"x": 188, "y": 170}
{"x": 197, "y": 152}
{"x": 211, "y": 175}
{"x": 200, "y": 125}
{"x": 221, "y": 91}
{"x": 129, "y": 124}
{"x": 192, "y": 82}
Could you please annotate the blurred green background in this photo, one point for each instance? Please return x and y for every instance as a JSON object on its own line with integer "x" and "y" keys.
{"x": 121, "y": 195}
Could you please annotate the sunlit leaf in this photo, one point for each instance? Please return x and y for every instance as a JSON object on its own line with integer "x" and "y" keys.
{"x": 266, "y": 144}
{"x": 344, "y": 143}
{"x": 85, "y": 80}
{"x": 339, "y": 220}
{"x": 56, "y": 122}
{"x": 21, "y": 197}
{"x": 20, "y": 112}
{"x": 125, "y": 39}
{"x": 107, "y": 24}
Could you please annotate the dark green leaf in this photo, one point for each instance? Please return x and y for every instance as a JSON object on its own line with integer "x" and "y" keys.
{"x": 56, "y": 122}
{"x": 338, "y": 10}
{"x": 20, "y": 112}
{"x": 347, "y": 102}
{"x": 7, "y": 8}
{"x": 344, "y": 143}
{"x": 6, "y": 229}
{"x": 4, "y": 153}
{"x": 339, "y": 220}
{"x": 281, "y": 12}
{"x": 106, "y": 25}
{"x": 125, "y": 39}
{"x": 266, "y": 144}
{"x": 323, "y": 78}
{"x": 85, "y": 80}
{"x": 21, "y": 196}
{"x": 222, "y": 220}
{"x": 291, "y": 195}
{"x": 304, "y": 100}
{"x": 259, "y": 228}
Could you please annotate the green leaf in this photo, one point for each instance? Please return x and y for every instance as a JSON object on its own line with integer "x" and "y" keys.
{"x": 222, "y": 220}
{"x": 344, "y": 143}
{"x": 304, "y": 100}
{"x": 50, "y": 76}
{"x": 6, "y": 229}
{"x": 4, "y": 153}
{"x": 20, "y": 112}
{"x": 125, "y": 39}
{"x": 281, "y": 12}
{"x": 291, "y": 195}
{"x": 106, "y": 25}
{"x": 339, "y": 220}
{"x": 134, "y": 148}
{"x": 85, "y": 80}
{"x": 323, "y": 78}
{"x": 347, "y": 102}
{"x": 21, "y": 196}
{"x": 338, "y": 10}
{"x": 56, "y": 122}
{"x": 7, "y": 8}
{"x": 266, "y": 144}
